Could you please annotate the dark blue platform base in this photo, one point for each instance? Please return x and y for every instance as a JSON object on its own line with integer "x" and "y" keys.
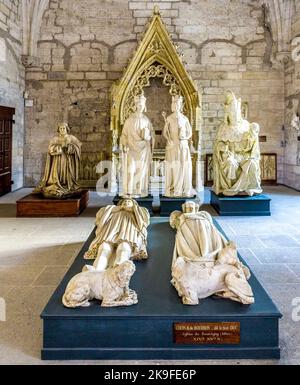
{"x": 258, "y": 205}
{"x": 145, "y": 331}
{"x": 168, "y": 205}
{"x": 143, "y": 202}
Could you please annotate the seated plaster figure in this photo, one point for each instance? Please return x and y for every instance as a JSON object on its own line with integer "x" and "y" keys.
{"x": 236, "y": 158}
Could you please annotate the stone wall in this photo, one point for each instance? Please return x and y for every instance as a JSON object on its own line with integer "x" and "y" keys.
{"x": 292, "y": 99}
{"x": 84, "y": 46}
{"x": 12, "y": 78}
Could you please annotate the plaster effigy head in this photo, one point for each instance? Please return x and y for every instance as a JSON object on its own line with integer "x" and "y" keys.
{"x": 177, "y": 103}
{"x": 140, "y": 103}
{"x": 63, "y": 129}
{"x": 233, "y": 109}
{"x": 190, "y": 207}
{"x": 126, "y": 203}
{"x": 175, "y": 219}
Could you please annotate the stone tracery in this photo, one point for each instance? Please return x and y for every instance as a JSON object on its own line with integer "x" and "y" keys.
{"x": 154, "y": 71}
{"x": 156, "y": 56}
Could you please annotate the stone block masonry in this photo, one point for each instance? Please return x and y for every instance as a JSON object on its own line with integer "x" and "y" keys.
{"x": 291, "y": 168}
{"x": 12, "y": 79}
{"x": 84, "y": 47}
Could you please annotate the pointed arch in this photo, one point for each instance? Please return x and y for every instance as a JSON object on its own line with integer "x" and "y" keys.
{"x": 156, "y": 56}
{"x": 279, "y": 17}
{"x": 32, "y": 15}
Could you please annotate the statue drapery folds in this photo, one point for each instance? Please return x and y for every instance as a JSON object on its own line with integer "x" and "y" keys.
{"x": 178, "y": 132}
{"x": 62, "y": 166}
{"x": 137, "y": 142}
{"x": 236, "y": 153}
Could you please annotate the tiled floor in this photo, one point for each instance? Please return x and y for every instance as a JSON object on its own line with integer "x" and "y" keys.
{"x": 35, "y": 254}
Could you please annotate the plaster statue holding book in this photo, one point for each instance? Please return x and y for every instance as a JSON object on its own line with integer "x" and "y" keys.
{"x": 136, "y": 143}
{"x": 204, "y": 262}
{"x": 61, "y": 174}
{"x": 236, "y": 158}
{"x": 178, "y": 169}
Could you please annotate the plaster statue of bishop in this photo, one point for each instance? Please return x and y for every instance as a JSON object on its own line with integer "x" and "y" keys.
{"x": 62, "y": 166}
{"x": 204, "y": 262}
{"x": 236, "y": 158}
{"x": 136, "y": 142}
{"x": 178, "y": 170}
{"x": 121, "y": 235}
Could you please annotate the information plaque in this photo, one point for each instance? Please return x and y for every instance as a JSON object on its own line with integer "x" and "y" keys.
{"x": 207, "y": 333}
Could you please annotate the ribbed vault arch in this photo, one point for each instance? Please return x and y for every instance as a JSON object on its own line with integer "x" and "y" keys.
{"x": 32, "y": 16}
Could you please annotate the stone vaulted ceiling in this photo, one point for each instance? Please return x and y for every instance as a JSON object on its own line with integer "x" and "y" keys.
{"x": 279, "y": 17}
{"x": 32, "y": 14}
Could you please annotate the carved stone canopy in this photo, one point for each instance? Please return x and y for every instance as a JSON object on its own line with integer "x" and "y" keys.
{"x": 156, "y": 57}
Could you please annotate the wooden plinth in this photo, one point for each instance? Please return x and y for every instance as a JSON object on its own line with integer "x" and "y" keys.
{"x": 37, "y": 206}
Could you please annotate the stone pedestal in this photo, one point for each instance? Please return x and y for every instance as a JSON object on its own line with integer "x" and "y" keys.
{"x": 146, "y": 202}
{"x": 35, "y": 205}
{"x": 258, "y": 205}
{"x": 168, "y": 205}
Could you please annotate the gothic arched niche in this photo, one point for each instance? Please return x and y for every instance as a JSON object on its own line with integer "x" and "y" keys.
{"x": 156, "y": 58}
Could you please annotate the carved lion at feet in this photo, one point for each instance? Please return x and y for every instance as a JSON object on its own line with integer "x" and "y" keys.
{"x": 110, "y": 286}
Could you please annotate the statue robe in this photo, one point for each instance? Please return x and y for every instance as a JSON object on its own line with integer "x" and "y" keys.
{"x": 197, "y": 239}
{"x": 178, "y": 132}
{"x": 116, "y": 224}
{"x": 136, "y": 162}
{"x": 236, "y": 160}
{"x": 62, "y": 168}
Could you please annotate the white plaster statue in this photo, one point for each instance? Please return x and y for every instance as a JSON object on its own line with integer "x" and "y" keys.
{"x": 110, "y": 286}
{"x": 236, "y": 158}
{"x": 204, "y": 263}
{"x": 121, "y": 235}
{"x": 178, "y": 133}
{"x": 135, "y": 142}
{"x": 295, "y": 122}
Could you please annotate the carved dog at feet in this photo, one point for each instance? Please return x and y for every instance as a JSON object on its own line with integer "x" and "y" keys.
{"x": 110, "y": 286}
{"x": 227, "y": 278}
